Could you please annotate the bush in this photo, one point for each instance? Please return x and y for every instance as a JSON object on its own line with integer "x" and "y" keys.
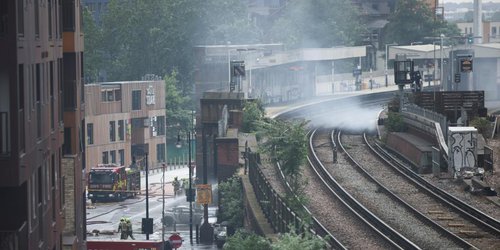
{"x": 244, "y": 240}
{"x": 303, "y": 242}
{"x": 481, "y": 124}
{"x": 394, "y": 122}
{"x": 231, "y": 202}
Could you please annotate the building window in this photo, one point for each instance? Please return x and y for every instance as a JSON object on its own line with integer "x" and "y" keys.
{"x": 160, "y": 125}
{"x": 21, "y": 109}
{"x": 37, "y": 18}
{"x": 112, "y": 154}
{"x": 112, "y": 131}
{"x": 90, "y": 133}
{"x": 160, "y": 152}
{"x": 51, "y": 93}
{"x": 121, "y": 154}
{"x": 4, "y": 17}
{"x": 69, "y": 15}
{"x": 136, "y": 100}
{"x": 49, "y": 16}
{"x": 111, "y": 95}
{"x": 493, "y": 31}
{"x": 20, "y": 17}
{"x": 121, "y": 130}
{"x": 105, "y": 157}
{"x": 67, "y": 141}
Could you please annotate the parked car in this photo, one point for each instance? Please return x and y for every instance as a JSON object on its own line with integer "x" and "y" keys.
{"x": 178, "y": 215}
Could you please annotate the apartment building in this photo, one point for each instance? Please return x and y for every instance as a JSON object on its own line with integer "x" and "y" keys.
{"x": 491, "y": 30}
{"x": 42, "y": 204}
{"x": 125, "y": 122}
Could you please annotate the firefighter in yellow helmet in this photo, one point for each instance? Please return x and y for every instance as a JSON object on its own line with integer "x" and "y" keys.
{"x": 129, "y": 229}
{"x": 123, "y": 229}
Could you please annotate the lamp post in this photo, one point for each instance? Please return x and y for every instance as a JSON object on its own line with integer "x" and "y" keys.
{"x": 147, "y": 194}
{"x": 190, "y": 189}
{"x": 441, "y": 66}
{"x": 178, "y": 144}
{"x": 163, "y": 204}
{"x": 386, "y": 61}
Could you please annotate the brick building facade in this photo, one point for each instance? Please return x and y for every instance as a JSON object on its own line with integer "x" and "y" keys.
{"x": 40, "y": 173}
{"x": 124, "y": 120}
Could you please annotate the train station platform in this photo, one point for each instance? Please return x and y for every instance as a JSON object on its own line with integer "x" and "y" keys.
{"x": 274, "y": 110}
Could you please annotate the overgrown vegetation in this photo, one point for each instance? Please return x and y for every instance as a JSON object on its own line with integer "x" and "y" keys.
{"x": 482, "y": 125}
{"x": 253, "y": 114}
{"x": 231, "y": 202}
{"x": 287, "y": 140}
{"x": 244, "y": 240}
{"x": 394, "y": 122}
{"x": 306, "y": 241}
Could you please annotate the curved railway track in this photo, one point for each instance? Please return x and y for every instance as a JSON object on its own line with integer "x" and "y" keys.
{"x": 364, "y": 229}
{"x": 442, "y": 229}
{"x": 468, "y": 223}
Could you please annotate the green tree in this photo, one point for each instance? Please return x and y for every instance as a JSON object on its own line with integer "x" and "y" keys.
{"x": 231, "y": 202}
{"x": 412, "y": 21}
{"x": 244, "y": 240}
{"x": 253, "y": 114}
{"x": 92, "y": 62}
{"x": 134, "y": 39}
{"x": 142, "y": 37}
{"x": 323, "y": 23}
{"x": 178, "y": 106}
{"x": 288, "y": 141}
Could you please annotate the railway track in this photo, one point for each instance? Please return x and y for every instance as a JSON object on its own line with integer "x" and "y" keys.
{"x": 355, "y": 225}
{"x": 468, "y": 223}
{"x": 385, "y": 201}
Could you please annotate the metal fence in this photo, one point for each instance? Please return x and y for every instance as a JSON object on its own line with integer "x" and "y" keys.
{"x": 279, "y": 215}
{"x": 430, "y": 115}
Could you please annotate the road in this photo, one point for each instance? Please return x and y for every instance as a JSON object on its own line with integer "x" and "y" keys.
{"x": 105, "y": 217}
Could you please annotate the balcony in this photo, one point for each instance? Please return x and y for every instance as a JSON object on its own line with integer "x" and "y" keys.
{"x": 13, "y": 240}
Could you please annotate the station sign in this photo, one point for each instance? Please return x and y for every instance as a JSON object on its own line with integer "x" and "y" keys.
{"x": 466, "y": 65}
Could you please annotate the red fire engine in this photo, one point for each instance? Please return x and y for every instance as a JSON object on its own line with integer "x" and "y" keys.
{"x": 113, "y": 182}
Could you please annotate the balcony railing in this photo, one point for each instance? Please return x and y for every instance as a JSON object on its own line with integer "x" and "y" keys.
{"x": 14, "y": 240}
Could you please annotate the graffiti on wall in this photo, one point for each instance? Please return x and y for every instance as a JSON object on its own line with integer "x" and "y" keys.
{"x": 463, "y": 148}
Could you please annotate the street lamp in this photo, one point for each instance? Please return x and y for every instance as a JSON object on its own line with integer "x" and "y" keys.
{"x": 386, "y": 61}
{"x": 163, "y": 204}
{"x": 178, "y": 144}
{"x": 190, "y": 192}
{"x": 441, "y": 66}
{"x": 147, "y": 198}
